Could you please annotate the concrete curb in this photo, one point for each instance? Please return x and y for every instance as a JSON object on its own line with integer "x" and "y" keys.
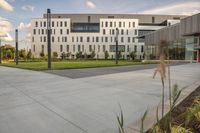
{"x": 151, "y": 116}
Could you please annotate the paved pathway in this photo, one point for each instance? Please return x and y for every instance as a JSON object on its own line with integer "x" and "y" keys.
{"x": 90, "y": 72}
{"x": 37, "y": 102}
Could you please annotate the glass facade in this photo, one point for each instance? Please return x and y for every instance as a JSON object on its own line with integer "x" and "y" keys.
{"x": 179, "y": 50}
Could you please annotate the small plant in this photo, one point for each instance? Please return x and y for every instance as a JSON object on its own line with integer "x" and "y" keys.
{"x": 142, "y": 122}
{"x": 120, "y": 120}
{"x": 133, "y": 55}
{"x": 106, "y": 55}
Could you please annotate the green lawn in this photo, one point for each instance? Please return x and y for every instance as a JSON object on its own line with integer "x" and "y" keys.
{"x": 39, "y": 66}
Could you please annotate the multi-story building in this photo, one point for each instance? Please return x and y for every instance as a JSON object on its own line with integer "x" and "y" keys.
{"x": 183, "y": 40}
{"x": 73, "y": 33}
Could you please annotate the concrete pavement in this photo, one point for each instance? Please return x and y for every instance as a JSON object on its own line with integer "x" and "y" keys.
{"x": 37, "y": 102}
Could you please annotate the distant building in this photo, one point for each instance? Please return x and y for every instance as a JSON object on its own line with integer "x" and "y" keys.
{"x": 182, "y": 38}
{"x": 73, "y": 33}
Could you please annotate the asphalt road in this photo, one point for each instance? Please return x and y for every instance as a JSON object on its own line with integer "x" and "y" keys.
{"x": 90, "y": 72}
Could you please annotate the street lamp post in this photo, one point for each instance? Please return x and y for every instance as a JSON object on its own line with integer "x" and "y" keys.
{"x": 116, "y": 40}
{"x": 49, "y": 37}
{"x": 16, "y": 46}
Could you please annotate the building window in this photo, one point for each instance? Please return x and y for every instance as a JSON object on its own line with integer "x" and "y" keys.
{"x": 90, "y": 48}
{"x": 61, "y": 24}
{"x": 36, "y": 24}
{"x": 102, "y": 24}
{"x": 44, "y": 24}
{"x": 106, "y": 24}
{"x": 122, "y": 32}
{"x": 65, "y": 39}
{"x": 83, "y": 49}
{"x": 106, "y": 39}
{"x": 79, "y": 48}
{"x": 40, "y": 24}
{"x": 133, "y": 24}
{"x": 81, "y": 39}
{"x": 126, "y": 32}
{"x": 153, "y": 20}
{"x": 129, "y": 39}
{"x": 74, "y": 48}
{"x": 98, "y": 48}
{"x": 44, "y": 38}
{"x": 135, "y": 32}
{"x": 76, "y": 39}
{"x": 113, "y": 31}
{"x": 34, "y": 48}
{"x": 135, "y": 48}
{"x": 142, "y": 48}
{"x": 32, "y": 39}
{"x": 92, "y": 39}
{"x": 58, "y": 39}
{"x": 39, "y": 31}
{"x": 120, "y": 24}
{"x": 42, "y": 31}
{"x": 52, "y": 24}
{"x": 104, "y": 31}
{"x": 67, "y": 31}
{"x": 61, "y": 48}
{"x": 52, "y": 38}
{"x": 34, "y": 31}
{"x": 111, "y": 24}
{"x": 129, "y": 24}
{"x": 61, "y": 31}
{"x": 122, "y": 39}
{"x": 89, "y": 19}
{"x": 111, "y": 39}
{"x": 65, "y": 23}
{"x": 88, "y": 39}
{"x": 72, "y": 39}
{"x": 133, "y": 39}
{"x": 67, "y": 48}
{"x": 94, "y": 48}
{"x": 97, "y": 39}
{"x": 104, "y": 48}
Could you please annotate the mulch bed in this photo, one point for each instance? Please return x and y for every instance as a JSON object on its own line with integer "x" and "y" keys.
{"x": 178, "y": 116}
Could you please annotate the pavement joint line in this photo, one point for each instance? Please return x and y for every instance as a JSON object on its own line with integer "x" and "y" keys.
{"x": 36, "y": 101}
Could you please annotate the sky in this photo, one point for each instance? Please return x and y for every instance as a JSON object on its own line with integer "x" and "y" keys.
{"x": 18, "y": 13}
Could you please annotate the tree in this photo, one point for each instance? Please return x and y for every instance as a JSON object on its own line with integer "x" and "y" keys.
{"x": 78, "y": 55}
{"x": 22, "y": 54}
{"x": 29, "y": 54}
{"x": 68, "y": 54}
{"x": 8, "y": 51}
{"x": 42, "y": 54}
{"x": 133, "y": 55}
{"x": 92, "y": 55}
{"x": 55, "y": 55}
{"x": 63, "y": 55}
{"x": 106, "y": 54}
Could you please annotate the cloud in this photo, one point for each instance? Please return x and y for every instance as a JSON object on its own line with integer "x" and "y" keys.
{"x": 5, "y": 6}
{"x": 24, "y": 26}
{"x": 90, "y": 4}
{"x": 5, "y": 28}
{"x": 28, "y": 8}
{"x": 183, "y": 8}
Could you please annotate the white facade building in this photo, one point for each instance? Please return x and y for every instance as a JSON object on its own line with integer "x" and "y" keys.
{"x": 73, "y": 33}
